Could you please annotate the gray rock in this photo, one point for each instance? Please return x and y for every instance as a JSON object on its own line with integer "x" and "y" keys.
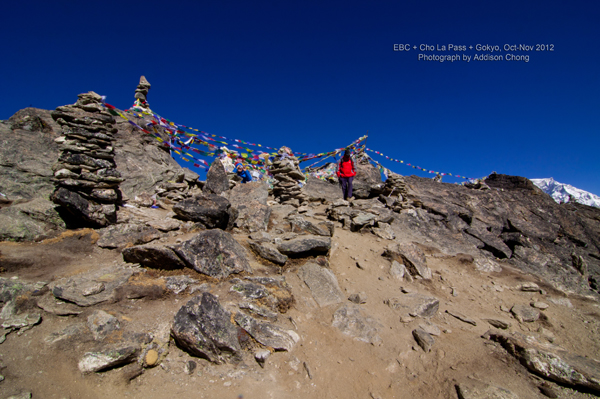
{"x": 261, "y": 356}
{"x": 301, "y": 225}
{"x": 33, "y": 220}
{"x": 71, "y": 288}
{"x": 269, "y": 252}
{"x": 480, "y": 390}
{"x": 424, "y": 340}
{"x": 153, "y": 256}
{"x": 411, "y": 256}
{"x": 216, "y": 178}
{"x": 250, "y": 290}
{"x": 359, "y": 298}
{"x": 102, "y": 324}
{"x": 430, "y": 328}
{"x": 88, "y": 212}
{"x": 51, "y": 305}
{"x": 165, "y": 225}
{"x": 250, "y": 200}
{"x": 561, "y": 301}
{"x": 210, "y": 210}
{"x": 363, "y": 219}
{"x": 268, "y": 334}
{"x": 71, "y": 332}
{"x": 305, "y": 246}
{"x": 461, "y": 317}
{"x": 525, "y": 314}
{"x": 261, "y": 236}
{"x": 551, "y": 362}
{"x": 203, "y": 328}
{"x": 498, "y": 323}
{"x": 322, "y": 283}
{"x": 214, "y": 253}
{"x": 98, "y": 361}
{"x": 350, "y": 320}
{"x": 415, "y": 304}
{"x": 529, "y": 287}
{"x": 384, "y": 231}
{"x": 124, "y": 235}
{"x": 258, "y": 310}
{"x": 397, "y": 270}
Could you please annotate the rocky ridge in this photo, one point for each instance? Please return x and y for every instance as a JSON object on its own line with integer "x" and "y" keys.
{"x": 375, "y": 297}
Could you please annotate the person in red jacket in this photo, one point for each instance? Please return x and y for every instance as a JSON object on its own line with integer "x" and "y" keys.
{"x": 346, "y": 173}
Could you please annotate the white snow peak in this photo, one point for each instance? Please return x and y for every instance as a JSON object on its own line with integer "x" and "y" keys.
{"x": 562, "y": 192}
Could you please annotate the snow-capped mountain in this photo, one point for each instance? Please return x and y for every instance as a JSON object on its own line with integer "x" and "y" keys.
{"x": 560, "y": 192}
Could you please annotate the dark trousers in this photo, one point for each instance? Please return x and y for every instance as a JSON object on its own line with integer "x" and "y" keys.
{"x": 346, "y": 186}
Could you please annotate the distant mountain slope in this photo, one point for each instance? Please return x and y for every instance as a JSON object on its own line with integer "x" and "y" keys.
{"x": 561, "y": 192}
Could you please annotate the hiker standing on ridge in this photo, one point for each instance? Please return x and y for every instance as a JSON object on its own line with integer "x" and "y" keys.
{"x": 346, "y": 173}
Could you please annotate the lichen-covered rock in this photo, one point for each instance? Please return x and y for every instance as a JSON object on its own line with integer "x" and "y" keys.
{"x": 214, "y": 253}
{"x": 203, "y": 328}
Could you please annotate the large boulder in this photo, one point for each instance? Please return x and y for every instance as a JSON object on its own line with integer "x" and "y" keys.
{"x": 204, "y": 328}
{"x": 317, "y": 189}
{"x": 214, "y": 253}
{"x": 216, "y": 179}
{"x": 367, "y": 177}
{"x": 250, "y": 200}
{"x": 210, "y": 210}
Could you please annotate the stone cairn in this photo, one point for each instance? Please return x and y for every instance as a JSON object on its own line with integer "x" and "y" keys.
{"x": 141, "y": 94}
{"x": 87, "y": 182}
{"x": 289, "y": 179}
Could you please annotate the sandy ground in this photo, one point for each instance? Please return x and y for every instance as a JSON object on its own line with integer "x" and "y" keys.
{"x": 339, "y": 366}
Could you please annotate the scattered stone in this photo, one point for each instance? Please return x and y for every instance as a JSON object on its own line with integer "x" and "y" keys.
{"x": 362, "y": 265}
{"x": 209, "y": 210}
{"x": 529, "y": 287}
{"x": 98, "y": 361}
{"x": 269, "y": 252}
{"x": 322, "y": 283}
{"x": 189, "y": 367}
{"x": 525, "y": 314}
{"x": 268, "y": 334}
{"x": 261, "y": 356}
{"x": 502, "y": 324}
{"x": 350, "y": 320}
{"x": 461, "y": 317}
{"x": 305, "y": 246}
{"x": 415, "y": 304}
{"x": 151, "y": 358}
{"x": 424, "y": 340}
{"x": 101, "y": 324}
{"x": 411, "y": 256}
{"x": 397, "y": 270}
{"x": 359, "y": 298}
{"x": 51, "y": 305}
{"x": 203, "y": 328}
{"x": 214, "y": 253}
{"x": 430, "y": 328}
{"x": 153, "y": 256}
{"x": 126, "y": 235}
{"x": 539, "y": 305}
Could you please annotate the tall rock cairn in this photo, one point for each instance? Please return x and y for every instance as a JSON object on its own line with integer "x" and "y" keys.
{"x": 288, "y": 187}
{"x": 141, "y": 94}
{"x": 86, "y": 179}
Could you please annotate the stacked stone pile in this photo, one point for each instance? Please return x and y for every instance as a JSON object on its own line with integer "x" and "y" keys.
{"x": 141, "y": 93}
{"x": 86, "y": 179}
{"x": 289, "y": 179}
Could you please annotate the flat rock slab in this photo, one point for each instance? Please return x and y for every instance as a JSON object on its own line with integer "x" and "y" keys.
{"x": 415, "y": 304}
{"x": 50, "y": 304}
{"x": 525, "y": 313}
{"x": 268, "y": 334}
{"x": 350, "y": 320}
{"x": 461, "y": 317}
{"x": 165, "y": 225}
{"x": 204, "y": 328}
{"x": 98, "y": 361}
{"x": 322, "y": 283}
{"x": 305, "y": 246}
{"x": 499, "y": 323}
{"x": 269, "y": 252}
{"x": 411, "y": 256}
{"x": 214, "y": 253}
{"x": 479, "y": 390}
{"x": 72, "y": 289}
{"x": 123, "y": 235}
{"x": 550, "y": 362}
{"x": 153, "y": 256}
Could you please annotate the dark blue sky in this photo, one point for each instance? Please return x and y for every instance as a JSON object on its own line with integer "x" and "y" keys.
{"x": 317, "y": 75}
